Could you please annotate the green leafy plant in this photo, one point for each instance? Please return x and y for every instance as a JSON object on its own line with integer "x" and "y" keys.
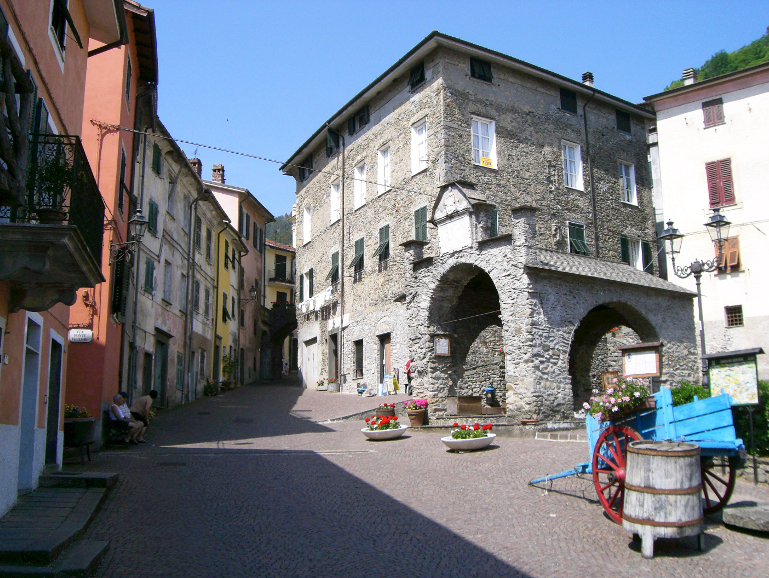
{"x": 686, "y": 391}
{"x": 383, "y": 422}
{"x": 75, "y": 412}
{"x": 760, "y": 421}
{"x": 211, "y": 388}
{"x": 624, "y": 395}
{"x": 465, "y": 432}
{"x": 229, "y": 365}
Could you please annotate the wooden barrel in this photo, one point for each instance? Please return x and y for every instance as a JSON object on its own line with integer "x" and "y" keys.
{"x": 663, "y": 492}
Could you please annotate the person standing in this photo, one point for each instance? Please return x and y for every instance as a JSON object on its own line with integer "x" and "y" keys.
{"x": 410, "y": 370}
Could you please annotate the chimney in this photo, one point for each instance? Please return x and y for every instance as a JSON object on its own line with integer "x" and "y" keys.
{"x": 689, "y": 76}
{"x": 197, "y": 167}
{"x": 217, "y": 174}
{"x": 587, "y": 78}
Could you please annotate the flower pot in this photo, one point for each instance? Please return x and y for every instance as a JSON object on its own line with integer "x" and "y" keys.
{"x": 468, "y": 445}
{"x": 416, "y": 417}
{"x": 385, "y": 411}
{"x": 78, "y": 431}
{"x": 333, "y": 386}
{"x": 322, "y": 388}
{"x": 50, "y": 216}
{"x": 384, "y": 434}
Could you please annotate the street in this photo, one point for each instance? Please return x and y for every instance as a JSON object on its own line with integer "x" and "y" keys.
{"x": 250, "y": 484}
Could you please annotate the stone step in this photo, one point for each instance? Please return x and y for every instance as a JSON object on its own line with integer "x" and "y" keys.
{"x": 748, "y": 515}
{"x": 78, "y": 480}
{"x": 81, "y": 560}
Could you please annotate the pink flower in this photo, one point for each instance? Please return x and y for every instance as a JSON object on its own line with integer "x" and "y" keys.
{"x": 599, "y": 415}
{"x": 586, "y": 405}
{"x": 615, "y": 408}
{"x": 614, "y": 380}
{"x": 637, "y": 394}
{"x": 626, "y": 398}
{"x": 612, "y": 401}
{"x": 610, "y": 390}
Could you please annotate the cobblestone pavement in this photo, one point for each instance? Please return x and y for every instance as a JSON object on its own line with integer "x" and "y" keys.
{"x": 250, "y": 484}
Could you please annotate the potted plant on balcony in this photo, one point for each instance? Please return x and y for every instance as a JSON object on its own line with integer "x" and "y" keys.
{"x": 78, "y": 425}
{"x": 52, "y": 176}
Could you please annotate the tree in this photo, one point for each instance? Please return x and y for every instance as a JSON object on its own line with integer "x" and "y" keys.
{"x": 280, "y": 230}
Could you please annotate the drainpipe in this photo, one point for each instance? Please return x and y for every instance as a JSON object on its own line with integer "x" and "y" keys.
{"x": 590, "y": 171}
{"x": 132, "y": 349}
{"x": 341, "y": 278}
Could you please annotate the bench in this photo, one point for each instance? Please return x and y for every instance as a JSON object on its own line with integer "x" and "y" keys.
{"x": 115, "y": 434}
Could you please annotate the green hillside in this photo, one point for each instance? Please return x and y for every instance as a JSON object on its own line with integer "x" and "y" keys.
{"x": 722, "y": 62}
{"x": 280, "y": 230}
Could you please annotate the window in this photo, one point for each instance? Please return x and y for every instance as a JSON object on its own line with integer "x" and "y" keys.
{"x": 280, "y": 267}
{"x": 359, "y": 186}
{"x": 358, "y": 120}
{"x": 121, "y": 185}
{"x": 383, "y": 249}
{"x": 185, "y": 214}
{"x": 242, "y": 279}
{"x": 167, "y": 282}
{"x": 730, "y": 255}
{"x": 255, "y": 240}
{"x": 637, "y": 253}
{"x": 232, "y": 311}
{"x": 156, "y": 158}
{"x": 183, "y": 294}
{"x": 306, "y": 169}
{"x": 149, "y": 275}
{"x": 152, "y": 218}
{"x": 206, "y": 302}
{"x": 713, "y": 111}
{"x": 419, "y": 147}
{"x": 420, "y": 224}
{"x": 307, "y": 225}
{"x": 196, "y": 295}
{"x": 358, "y": 261}
{"x": 226, "y": 254}
{"x": 309, "y": 279}
{"x": 171, "y": 204}
{"x": 333, "y": 274}
{"x": 59, "y": 15}
{"x": 202, "y": 361}
{"x": 242, "y": 318}
{"x": 198, "y": 227}
{"x": 569, "y": 101}
{"x": 572, "y": 166}
{"x": 301, "y": 288}
{"x": 209, "y": 242}
{"x": 234, "y": 259}
{"x": 417, "y": 75}
{"x": 358, "y": 347}
{"x": 332, "y": 142}
{"x": 122, "y": 274}
{"x": 484, "y": 143}
{"x": 334, "y": 200}
{"x": 493, "y": 222}
{"x": 734, "y": 316}
{"x": 179, "y": 371}
{"x": 383, "y": 170}
{"x": 627, "y": 183}
{"x": 128, "y": 75}
{"x": 577, "y": 243}
{"x": 623, "y": 121}
{"x": 481, "y": 69}
{"x": 720, "y": 185}
{"x": 281, "y": 296}
{"x": 247, "y": 227}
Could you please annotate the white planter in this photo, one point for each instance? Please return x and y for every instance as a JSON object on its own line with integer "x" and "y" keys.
{"x": 469, "y": 444}
{"x": 384, "y": 434}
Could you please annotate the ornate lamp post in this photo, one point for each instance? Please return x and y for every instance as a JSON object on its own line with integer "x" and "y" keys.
{"x": 718, "y": 229}
{"x": 254, "y": 293}
{"x": 137, "y": 226}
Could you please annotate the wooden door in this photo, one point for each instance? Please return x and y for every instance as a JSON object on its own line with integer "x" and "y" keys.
{"x": 385, "y": 367}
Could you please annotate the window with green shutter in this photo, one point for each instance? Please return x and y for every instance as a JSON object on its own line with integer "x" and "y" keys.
{"x": 493, "y": 222}
{"x": 156, "y": 158}
{"x": 647, "y": 256}
{"x": 226, "y": 254}
{"x": 152, "y": 218}
{"x": 577, "y": 242}
{"x": 310, "y": 291}
{"x": 333, "y": 274}
{"x": 301, "y": 288}
{"x": 481, "y": 69}
{"x": 383, "y": 249}
{"x": 225, "y": 315}
{"x": 149, "y": 275}
{"x": 624, "y": 244}
{"x": 332, "y": 142}
{"x": 420, "y": 224}
{"x": 357, "y": 261}
{"x": 417, "y": 75}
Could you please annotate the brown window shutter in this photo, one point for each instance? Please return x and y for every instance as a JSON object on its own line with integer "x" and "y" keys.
{"x": 718, "y": 113}
{"x": 725, "y": 170}
{"x": 714, "y": 193}
{"x": 733, "y": 253}
{"x": 708, "y": 110}
{"x": 724, "y": 253}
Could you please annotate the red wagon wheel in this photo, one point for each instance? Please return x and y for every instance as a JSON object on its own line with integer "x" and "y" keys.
{"x": 717, "y": 482}
{"x": 609, "y": 459}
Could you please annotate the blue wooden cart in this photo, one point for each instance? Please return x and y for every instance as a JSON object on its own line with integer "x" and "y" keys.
{"x": 705, "y": 422}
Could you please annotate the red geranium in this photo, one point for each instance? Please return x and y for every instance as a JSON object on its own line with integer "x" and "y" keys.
{"x": 463, "y": 426}
{"x": 456, "y": 424}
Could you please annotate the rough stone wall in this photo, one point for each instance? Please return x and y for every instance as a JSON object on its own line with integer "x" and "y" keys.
{"x": 606, "y": 356}
{"x": 484, "y": 365}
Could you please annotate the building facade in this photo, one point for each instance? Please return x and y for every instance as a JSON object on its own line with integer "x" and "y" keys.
{"x": 708, "y": 152}
{"x": 51, "y": 221}
{"x": 281, "y": 272}
{"x": 467, "y": 205}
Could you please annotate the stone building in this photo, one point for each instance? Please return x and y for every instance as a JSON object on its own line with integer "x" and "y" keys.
{"x": 279, "y": 349}
{"x": 467, "y": 202}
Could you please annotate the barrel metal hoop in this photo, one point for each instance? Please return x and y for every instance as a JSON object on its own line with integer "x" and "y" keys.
{"x": 676, "y": 454}
{"x": 673, "y": 492}
{"x": 656, "y": 524}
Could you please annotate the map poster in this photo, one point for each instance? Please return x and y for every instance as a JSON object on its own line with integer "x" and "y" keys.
{"x": 736, "y": 376}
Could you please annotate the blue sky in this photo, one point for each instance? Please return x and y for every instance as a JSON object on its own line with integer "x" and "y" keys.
{"x": 261, "y": 77}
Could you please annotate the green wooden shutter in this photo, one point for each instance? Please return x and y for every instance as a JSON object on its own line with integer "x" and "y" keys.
{"x": 625, "y": 248}
{"x": 335, "y": 267}
{"x": 149, "y": 274}
{"x": 310, "y": 291}
{"x": 493, "y": 228}
{"x": 351, "y": 126}
{"x": 647, "y": 256}
{"x": 420, "y": 224}
{"x": 156, "y": 158}
{"x": 301, "y": 288}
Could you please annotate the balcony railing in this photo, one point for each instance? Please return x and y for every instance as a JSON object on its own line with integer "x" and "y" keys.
{"x": 61, "y": 190}
{"x": 281, "y": 276}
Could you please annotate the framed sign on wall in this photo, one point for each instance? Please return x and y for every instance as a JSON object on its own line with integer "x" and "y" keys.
{"x": 442, "y": 346}
{"x": 641, "y": 359}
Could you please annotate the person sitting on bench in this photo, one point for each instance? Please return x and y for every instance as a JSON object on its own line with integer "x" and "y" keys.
{"x": 132, "y": 427}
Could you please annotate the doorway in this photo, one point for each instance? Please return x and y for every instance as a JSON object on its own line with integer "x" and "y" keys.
{"x": 161, "y": 369}
{"x": 29, "y": 394}
{"x": 215, "y": 368}
{"x": 147, "y": 374}
{"x": 54, "y": 395}
{"x": 310, "y": 363}
{"x": 385, "y": 367}
{"x": 332, "y": 356}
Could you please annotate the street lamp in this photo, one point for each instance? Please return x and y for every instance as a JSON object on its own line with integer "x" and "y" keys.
{"x": 254, "y": 293}
{"x": 718, "y": 229}
{"x": 137, "y": 226}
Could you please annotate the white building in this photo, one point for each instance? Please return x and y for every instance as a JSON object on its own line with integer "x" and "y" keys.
{"x": 710, "y": 151}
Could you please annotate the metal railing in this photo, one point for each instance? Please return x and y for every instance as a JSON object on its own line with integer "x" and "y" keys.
{"x": 61, "y": 190}
{"x": 280, "y": 276}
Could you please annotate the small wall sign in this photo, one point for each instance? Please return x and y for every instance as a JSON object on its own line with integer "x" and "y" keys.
{"x": 641, "y": 359}
{"x": 442, "y": 346}
{"x": 80, "y": 335}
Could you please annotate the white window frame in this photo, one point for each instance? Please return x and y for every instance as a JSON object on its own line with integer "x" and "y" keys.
{"x": 635, "y": 253}
{"x": 419, "y": 146}
{"x": 334, "y": 196}
{"x": 168, "y": 271}
{"x": 383, "y": 170}
{"x": 572, "y": 179}
{"x": 307, "y": 225}
{"x": 359, "y": 186}
{"x": 477, "y": 123}
{"x": 627, "y": 183}
{"x": 55, "y": 41}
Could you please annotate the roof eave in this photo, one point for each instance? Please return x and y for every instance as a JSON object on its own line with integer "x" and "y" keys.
{"x": 706, "y": 83}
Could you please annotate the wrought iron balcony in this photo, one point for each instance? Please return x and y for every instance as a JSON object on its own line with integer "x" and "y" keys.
{"x": 53, "y": 240}
{"x": 281, "y": 276}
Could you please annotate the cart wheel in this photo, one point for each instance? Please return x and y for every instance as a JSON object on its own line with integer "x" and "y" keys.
{"x": 717, "y": 482}
{"x": 609, "y": 459}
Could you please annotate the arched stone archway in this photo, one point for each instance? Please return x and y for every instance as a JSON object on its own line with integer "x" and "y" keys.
{"x": 591, "y": 330}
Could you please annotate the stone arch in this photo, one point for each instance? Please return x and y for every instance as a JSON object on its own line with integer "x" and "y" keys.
{"x": 589, "y": 333}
